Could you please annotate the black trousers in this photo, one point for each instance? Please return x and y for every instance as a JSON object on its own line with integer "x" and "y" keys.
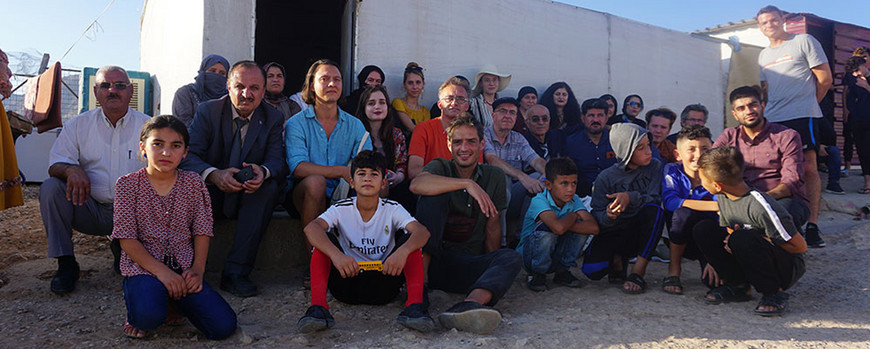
{"x": 753, "y": 259}
{"x": 454, "y": 270}
{"x": 636, "y": 236}
{"x": 861, "y": 137}
{"x": 254, "y": 212}
{"x": 367, "y": 287}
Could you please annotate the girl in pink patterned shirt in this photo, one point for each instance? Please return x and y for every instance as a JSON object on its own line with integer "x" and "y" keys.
{"x": 162, "y": 216}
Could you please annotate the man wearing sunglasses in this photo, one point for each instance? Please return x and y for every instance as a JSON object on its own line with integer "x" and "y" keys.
{"x": 92, "y": 151}
{"x": 537, "y": 132}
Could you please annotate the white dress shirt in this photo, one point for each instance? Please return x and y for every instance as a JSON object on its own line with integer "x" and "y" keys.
{"x": 104, "y": 151}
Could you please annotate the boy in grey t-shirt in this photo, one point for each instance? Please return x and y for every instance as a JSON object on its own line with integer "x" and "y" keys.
{"x": 762, "y": 246}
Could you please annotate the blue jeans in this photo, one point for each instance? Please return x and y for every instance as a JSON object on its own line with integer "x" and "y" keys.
{"x": 545, "y": 252}
{"x": 148, "y": 301}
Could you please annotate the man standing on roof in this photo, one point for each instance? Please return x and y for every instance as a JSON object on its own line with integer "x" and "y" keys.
{"x": 795, "y": 76}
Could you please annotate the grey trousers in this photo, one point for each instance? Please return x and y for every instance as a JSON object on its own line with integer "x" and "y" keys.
{"x": 60, "y": 217}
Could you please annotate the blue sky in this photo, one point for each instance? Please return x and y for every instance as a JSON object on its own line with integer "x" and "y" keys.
{"x": 116, "y": 39}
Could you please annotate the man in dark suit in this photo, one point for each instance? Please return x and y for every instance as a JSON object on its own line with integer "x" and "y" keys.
{"x": 227, "y": 135}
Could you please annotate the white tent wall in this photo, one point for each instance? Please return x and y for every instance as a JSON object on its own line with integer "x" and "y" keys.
{"x": 537, "y": 41}
{"x": 170, "y": 46}
{"x": 176, "y": 35}
{"x": 540, "y": 42}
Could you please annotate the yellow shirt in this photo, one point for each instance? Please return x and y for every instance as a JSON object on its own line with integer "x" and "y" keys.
{"x": 10, "y": 183}
{"x": 417, "y": 116}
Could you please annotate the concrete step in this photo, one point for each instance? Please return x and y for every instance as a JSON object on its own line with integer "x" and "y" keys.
{"x": 283, "y": 244}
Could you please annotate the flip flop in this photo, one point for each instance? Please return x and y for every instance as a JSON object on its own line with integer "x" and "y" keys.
{"x": 778, "y": 300}
{"x": 672, "y": 281}
{"x": 637, "y": 280}
{"x": 727, "y": 294}
{"x": 128, "y": 327}
{"x": 864, "y": 191}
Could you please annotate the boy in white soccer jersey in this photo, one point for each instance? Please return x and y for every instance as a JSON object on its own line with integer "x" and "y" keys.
{"x": 366, "y": 228}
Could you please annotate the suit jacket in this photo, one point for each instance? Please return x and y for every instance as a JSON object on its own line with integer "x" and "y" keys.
{"x": 211, "y": 138}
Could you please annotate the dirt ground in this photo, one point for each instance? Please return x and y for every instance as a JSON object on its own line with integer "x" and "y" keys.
{"x": 829, "y": 306}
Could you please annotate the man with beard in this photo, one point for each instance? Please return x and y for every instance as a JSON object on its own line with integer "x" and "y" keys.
{"x": 233, "y": 133}
{"x": 588, "y": 146}
{"x": 459, "y": 203}
{"x": 94, "y": 149}
{"x": 773, "y": 155}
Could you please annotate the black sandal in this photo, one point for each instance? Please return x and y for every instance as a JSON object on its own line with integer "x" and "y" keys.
{"x": 727, "y": 294}
{"x": 778, "y": 300}
{"x": 637, "y": 280}
{"x": 672, "y": 281}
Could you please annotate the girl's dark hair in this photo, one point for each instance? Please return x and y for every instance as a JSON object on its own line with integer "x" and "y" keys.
{"x": 628, "y": 99}
{"x": 364, "y": 73}
{"x": 571, "y": 111}
{"x": 307, "y": 94}
{"x": 609, "y": 97}
{"x": 165, "y": 121}
{"x": 385, "y": 134}
{"x": 413, "y": 68}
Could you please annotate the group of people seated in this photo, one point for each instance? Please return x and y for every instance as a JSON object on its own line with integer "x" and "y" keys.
{"x": 487, "y": 201}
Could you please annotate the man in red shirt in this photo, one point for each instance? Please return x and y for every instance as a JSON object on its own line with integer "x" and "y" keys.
{"x": 429, "y": 140}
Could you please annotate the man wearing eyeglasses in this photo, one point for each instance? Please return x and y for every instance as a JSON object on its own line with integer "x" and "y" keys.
{"x": 693, "y": 114}
{"x": 93, "y": 149}
{"x": 429, "y": 140}
{"x": 588, "y": 146}
{"x": 509, "y": 151}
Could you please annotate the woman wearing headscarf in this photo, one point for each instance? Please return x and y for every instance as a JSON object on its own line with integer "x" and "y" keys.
{"x": 611, "y": 105}
{"x": 487, "y": 84}
{"x": 275, "y": 91}
{"x": 211, "y": 83}
{"x": 528, "y": 97}
{"x": 370, "y": 75}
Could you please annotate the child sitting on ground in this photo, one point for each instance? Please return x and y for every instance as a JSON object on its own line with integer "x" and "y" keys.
{"x": 555, "y": 228}
{"x": 762, "y": 246}
{"x": 687, "y": 202}
{"x": 164, "y": 222}
{"x": 366, "y": 228}
{"x": 626, "y": 201}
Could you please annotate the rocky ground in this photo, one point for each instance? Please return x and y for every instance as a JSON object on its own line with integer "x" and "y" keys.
{"x": 829, "y": 305}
